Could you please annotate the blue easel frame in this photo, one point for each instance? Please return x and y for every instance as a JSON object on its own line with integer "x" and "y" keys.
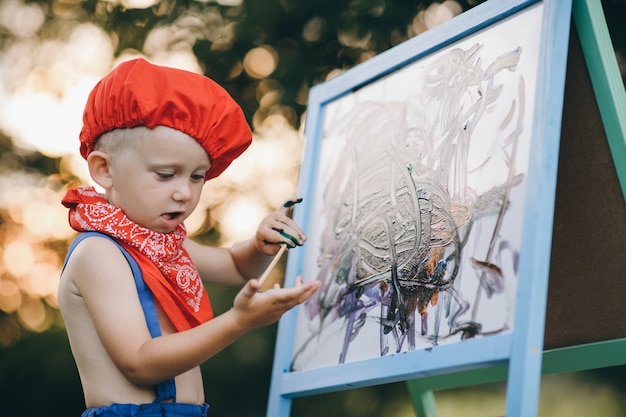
{"x": 521, "y": 349}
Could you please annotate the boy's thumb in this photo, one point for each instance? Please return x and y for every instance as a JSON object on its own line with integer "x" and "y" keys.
{"x": 251, "y": 288}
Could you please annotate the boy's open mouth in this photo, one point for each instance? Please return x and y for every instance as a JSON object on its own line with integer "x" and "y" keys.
{"x": 172, "y": 215}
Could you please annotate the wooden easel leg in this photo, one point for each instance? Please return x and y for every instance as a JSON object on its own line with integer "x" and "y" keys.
{"x": 423, "y": 400}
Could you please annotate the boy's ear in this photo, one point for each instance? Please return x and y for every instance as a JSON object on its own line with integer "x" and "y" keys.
{"x": 99, "y": 164}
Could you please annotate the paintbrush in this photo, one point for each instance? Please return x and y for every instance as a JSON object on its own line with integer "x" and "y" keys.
{"x": 271, "y": 266}
{"x": 288, "y": 205}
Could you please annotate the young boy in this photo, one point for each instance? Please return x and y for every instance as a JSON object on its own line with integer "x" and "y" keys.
{"x": 137, "y": 315}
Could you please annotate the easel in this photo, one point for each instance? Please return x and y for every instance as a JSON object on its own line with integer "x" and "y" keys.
{"x": 518, "y": 358}
{"x": 580, "y": 334}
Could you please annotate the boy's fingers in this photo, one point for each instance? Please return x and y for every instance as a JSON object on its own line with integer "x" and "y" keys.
{"x": 304, "y": 295}
{"x": 289, "y": 204}
{"x": 291, "y": 238}
{"x": 311, "y": 288}
{"x": 300, "y": 293}
{"x": 251, "y": 288}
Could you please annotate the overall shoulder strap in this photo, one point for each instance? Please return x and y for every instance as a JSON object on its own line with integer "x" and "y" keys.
{"x": 166, "y": 390}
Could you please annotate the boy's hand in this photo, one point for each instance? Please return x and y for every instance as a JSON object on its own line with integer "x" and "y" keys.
{"x": 277, "y": 228}
{"x": 254, "y": 309}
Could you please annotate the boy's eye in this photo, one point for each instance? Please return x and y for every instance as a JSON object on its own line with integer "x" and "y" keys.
{"x": 165, "y": 175}
{"x": 198, "y": 177}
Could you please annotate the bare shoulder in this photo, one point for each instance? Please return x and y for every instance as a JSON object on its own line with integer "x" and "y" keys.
{"x": 96, "y": 272}
{"x": 92, "y": 257}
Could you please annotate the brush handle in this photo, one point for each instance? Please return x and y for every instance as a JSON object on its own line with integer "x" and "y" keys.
{"x": 271, "y": 266}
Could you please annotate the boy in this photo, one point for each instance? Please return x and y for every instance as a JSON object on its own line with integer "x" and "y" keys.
{"x": 137, "y": 315}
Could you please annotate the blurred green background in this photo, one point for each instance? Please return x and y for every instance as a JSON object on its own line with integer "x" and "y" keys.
{"x": 267, "y": 54}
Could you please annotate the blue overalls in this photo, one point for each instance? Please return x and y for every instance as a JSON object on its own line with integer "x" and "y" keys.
{"x": 166, "y": 390}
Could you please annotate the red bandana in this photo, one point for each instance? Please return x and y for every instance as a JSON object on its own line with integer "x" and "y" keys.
{"x": 165, "y": 265}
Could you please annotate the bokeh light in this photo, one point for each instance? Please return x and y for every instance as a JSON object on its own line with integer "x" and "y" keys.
{"x": 260, "y": 62}
{"x": 435, "y": 14}
{"x": 18, "y": 258}
{"x": 24, "y": 20}
{"x": 138, "y": 4}
{"x": 314, "y": 29}
{"x": 10, "y": 296}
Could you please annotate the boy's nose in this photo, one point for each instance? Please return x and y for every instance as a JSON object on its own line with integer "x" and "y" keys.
{"x": 182, "y": 192}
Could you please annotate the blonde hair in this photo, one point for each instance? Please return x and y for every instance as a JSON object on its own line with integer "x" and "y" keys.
{"x": 119, "y": 140}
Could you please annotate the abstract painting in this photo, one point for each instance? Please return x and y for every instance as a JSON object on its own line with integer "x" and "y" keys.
{"x": 416, "y": 214}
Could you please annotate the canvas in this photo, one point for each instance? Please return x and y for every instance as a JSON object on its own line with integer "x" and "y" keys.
{"x": 419, "y": 201}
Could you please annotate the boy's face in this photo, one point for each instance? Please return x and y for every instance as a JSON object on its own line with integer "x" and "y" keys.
{"x": 158, "y": 179}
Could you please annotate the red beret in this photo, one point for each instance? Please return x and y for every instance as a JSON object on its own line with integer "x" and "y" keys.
{"x": 138, "y": 93}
